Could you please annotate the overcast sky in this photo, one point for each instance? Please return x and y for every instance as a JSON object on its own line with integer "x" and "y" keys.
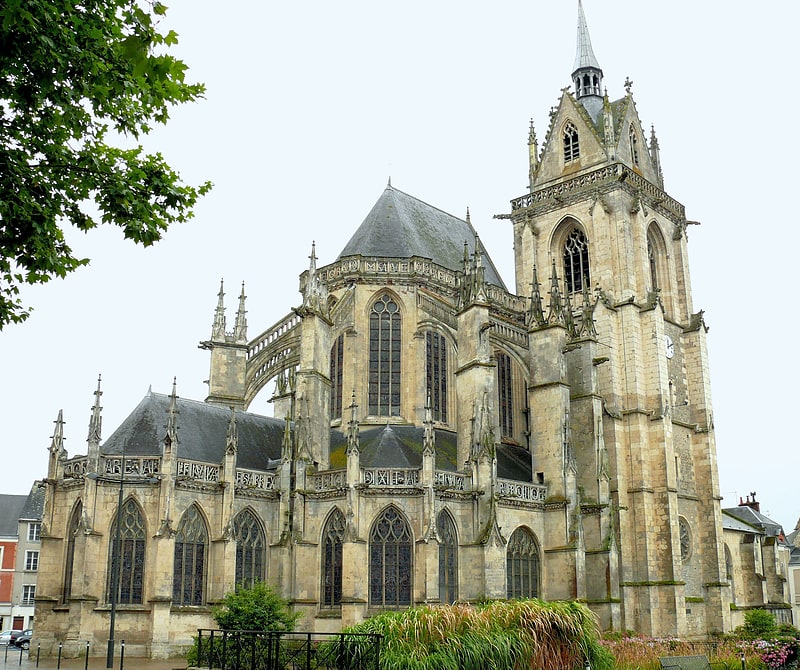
{"x": 312, "y": 106}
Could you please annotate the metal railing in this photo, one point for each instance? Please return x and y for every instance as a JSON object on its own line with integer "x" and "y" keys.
{"x": 276, "y": 650}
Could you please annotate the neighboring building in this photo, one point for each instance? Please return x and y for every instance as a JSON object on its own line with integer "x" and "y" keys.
{"x": 446, "y": 439}
{"x": 757, "y": 557}
{"x": 793, "y": 540}
{"x": 28, "y": 554}
{"x": 10, "y": 508}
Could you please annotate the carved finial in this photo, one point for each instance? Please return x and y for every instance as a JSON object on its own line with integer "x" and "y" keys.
{"x": 57, "y": 444}
{"x": 240, "y": 330}
{"x": 171, "y": 437}
{"x": 353, "y": 439}
{"x": 96, "y": 420}
{"x": 628, "y": 85}
{"x": 555, "y": 312}
{"x": 315, "y": 292}
{"x": 218, "y": 329}
{"x": 232, "y": 438}
{"x": 469, "y": 222}
{"x": 536, "y": 311}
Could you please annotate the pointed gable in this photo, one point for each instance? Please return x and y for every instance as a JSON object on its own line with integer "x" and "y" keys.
{"x": 626, "y": 118}
{"x": 401, "y": 226}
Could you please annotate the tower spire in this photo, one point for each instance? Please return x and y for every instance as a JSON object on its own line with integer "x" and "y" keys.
{"x": 96, "y": 420}
{"x": 240, "y": 330}
{"x": 218, "y": 329}
{"x": 587, "y": 76}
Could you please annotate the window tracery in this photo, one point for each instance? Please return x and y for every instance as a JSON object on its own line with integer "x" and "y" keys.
{"x": 130, "y": 554}
{"x": 572, "y": 149}
{"x": 505, "y": 394}
{"x": 250, "y": 543}
{"x": 189, "y": 569}
{"x": 332, "y": 542}
{"x": 436, "y": 374}
{"x": 384, "y": 357}
{"x": 522, "y": 565}
{"x": 448, "y": 558}
{"x": 337, "y": 362}
{"x": 390, "y": 561}
{"x": 69, "y": 562}
{"x": 576, "y": 261}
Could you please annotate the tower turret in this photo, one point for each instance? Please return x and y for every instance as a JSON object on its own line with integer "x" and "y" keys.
{"x": 587, "y": 76}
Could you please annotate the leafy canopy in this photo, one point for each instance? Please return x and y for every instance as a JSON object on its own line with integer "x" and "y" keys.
{"x": 255, "y": 608}
{"x": 72, "y": 74}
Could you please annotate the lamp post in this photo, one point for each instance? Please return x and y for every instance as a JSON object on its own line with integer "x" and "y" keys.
{"x": 115, "y": 561}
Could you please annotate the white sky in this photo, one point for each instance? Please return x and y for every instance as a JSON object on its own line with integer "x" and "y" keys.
{"x": 312, "y": 105}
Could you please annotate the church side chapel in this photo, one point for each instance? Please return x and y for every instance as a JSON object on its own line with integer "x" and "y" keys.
{"x": 437, "y": 437}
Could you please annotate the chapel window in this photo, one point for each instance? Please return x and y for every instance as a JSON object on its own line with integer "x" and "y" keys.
{"x": 505, "y": 395}
{"x": 390, "y": 561}
{"x": 337, "y": 361}
{"x": 127, "y": 558}
{"x": 72, "y": 532}
{"x": 189, "y": 569}
{"x": 572, "y": 150}
{"x": 652, "y": 262}
{"x": 436, "y": 374}
{"x": 522, "y": 565}
{"x": 384, "y": 357}
{"x": 634, "y": 142}
{"x": 576, "y": 261}
{"x": 250, "y": 543}
{"x": 448, "y": 558}
{"x": 332, "y": 543}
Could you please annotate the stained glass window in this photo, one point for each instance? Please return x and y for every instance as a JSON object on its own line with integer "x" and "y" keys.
{"x": 390, "y": 561}
{"x": 436, "y": 374}
{"x": 131, "y": 552}
{"x": 572, "y": 149}
{"x": 384, "y": 357}
{"x": 576, "y": 261}
{"x": 332, "y": 539}
{"x": 522, "y": 565}
{"x": 337, "y": 360}
{"x": 250, "y": 543}
{"x": 505, "y": 395}
{"x": 189, "y": 569}
{"x": 69, "y": 562}
{"x": 448, "y": 559}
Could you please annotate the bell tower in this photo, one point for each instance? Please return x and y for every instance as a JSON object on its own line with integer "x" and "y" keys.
{"x": 598, "y": 221}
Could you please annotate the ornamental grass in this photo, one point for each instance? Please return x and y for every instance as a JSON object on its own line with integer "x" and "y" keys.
{"x": 497, "y": 635}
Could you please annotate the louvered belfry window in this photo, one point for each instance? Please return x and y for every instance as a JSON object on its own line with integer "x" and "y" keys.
{"x": 384, "y": 357}
{"x": 572, "y": 148}
{"x": 576, "y": 261}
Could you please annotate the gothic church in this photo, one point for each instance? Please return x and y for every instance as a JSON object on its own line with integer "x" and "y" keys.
{"x": 437, "y": 437}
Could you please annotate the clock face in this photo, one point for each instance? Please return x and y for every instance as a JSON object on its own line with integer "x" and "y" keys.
{"x": 669, "y": 346}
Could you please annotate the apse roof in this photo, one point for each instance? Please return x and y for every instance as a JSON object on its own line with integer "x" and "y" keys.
{"x": 401, "y": 226}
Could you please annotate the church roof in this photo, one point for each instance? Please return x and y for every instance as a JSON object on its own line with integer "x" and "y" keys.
{"x": 202, "y": 432}
{"x": 755, "y": 518}
{"x": 401, "y": 226}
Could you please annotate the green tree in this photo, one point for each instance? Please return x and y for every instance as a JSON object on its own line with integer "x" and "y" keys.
{"x": 759, "y": 624}
{"x": 255, "y": 608}
{"x": 72, "y": 76}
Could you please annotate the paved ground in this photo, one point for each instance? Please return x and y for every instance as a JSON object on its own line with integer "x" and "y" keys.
{"x": 12, "y": 659}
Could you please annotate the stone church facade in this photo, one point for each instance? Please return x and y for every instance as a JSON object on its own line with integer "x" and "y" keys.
{"x": 437, "y": 436}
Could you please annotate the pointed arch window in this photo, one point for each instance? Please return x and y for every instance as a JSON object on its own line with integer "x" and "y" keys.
{"x": 384, "y": 357}
{"x": 69, "y": 559}
{"x": 337, "y": 362}
{"x": 448, "y": 558}
{"x": 436, "y": 374}
{"x": 505, "y": 395}
{"x": 576, "y": 261}
{"x": 633, "y": 138}
{"x": 332, "y": 542}
{"x": 522, "y": 565}
{"x": 653, "y": 263}
{"x": 189, "y": 569}
{"x": 572, "y": 148}
{"x": 390, "y": 561}
{"x": 130, "y": 553}
{"x": 250, "y": 544}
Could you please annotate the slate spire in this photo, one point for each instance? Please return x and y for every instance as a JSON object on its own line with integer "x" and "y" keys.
{"x": 587, "y": 76}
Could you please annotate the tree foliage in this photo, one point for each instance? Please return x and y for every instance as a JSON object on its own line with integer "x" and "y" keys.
{"x": 73, "y": 75}
{"x": 255, "y": 608}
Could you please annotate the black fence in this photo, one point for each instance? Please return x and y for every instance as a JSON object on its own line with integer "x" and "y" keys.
{"x": 259, "y": 650}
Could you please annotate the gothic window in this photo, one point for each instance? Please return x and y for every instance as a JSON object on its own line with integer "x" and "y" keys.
{"x": 69, "y": 560}
{"x": 390, "y": 561}
{"x": 576, "y": 261}
{"x": 685, "y": 537}
{"x": 332, "y": 539}
{"x": 128, "y": 555}
{"x": 651, "y": 259}
{"x": 448, "y": 558}
{"x": 250, "y": 543}
{"x": 436, "y": 374}
{"x": 522, "y": 565}
{"x": 189, "y": 568}
{"x": 337, "y": 360}
{"x": 634, "y": 142}
{"x": 384, "y": 357}
{"x": 505, "y": 395}
{"x": 729, "y": 572}
{"x": 572, "y": 150}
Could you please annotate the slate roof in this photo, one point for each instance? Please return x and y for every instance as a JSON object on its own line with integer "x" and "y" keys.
{"x": 757, "y": 519}
{"x": 10, "y": 509}
{"x": 202, "y": 433}
{"x": 401, "y": 226}
{"x": 34, "y": 504}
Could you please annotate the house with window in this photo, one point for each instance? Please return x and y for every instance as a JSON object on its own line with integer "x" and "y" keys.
{"x": 436, "y": 436}
{"x": 10, "y": 509}
{"x": 29, "y": 526}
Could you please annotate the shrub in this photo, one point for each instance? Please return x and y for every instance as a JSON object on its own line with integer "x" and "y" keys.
{"x": 758, "y": 625}
{"x": 255, "y": 608}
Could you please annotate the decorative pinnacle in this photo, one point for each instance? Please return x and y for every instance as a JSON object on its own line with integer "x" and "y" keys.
{"x": 218, "y": 329}
{"x": 171, "y": 436}
{"x": 96, "y": 420}
{"x": 232, "y": 438}
{"x": 57, "y": 445}
{"x": 240, "y": 330}
{"x": 353, "y": 440}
